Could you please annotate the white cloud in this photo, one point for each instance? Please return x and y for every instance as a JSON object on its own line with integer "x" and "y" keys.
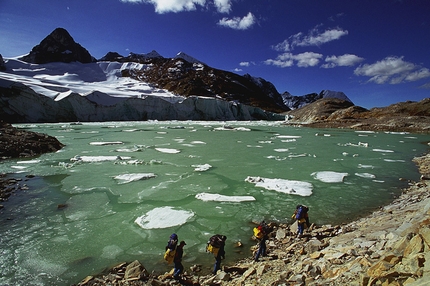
{"x": 345, "y": 60}
{"x": 223, "y": 6}
{"x": 308, "y": 59}
{"x": 166, "y": 6}
{"x": 313, "y": 38}
{"x": 393, "y": 70}
{"x": 238, "y": 23}
{"x": 417, "y": 75}
{"x": 244, "y": 64}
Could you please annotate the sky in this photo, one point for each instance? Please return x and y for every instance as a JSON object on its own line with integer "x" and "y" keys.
{"x": 375, "y": 51}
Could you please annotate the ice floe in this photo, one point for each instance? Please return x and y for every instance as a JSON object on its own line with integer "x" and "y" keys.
{"x": 106, "y": 143}
{"x": 94, "y": 159}
{"x": 283, "y": 186}
{"x": 127, "y": 178}
{"x": 288, "y": 136}
{"x": 365, "y": 166}
{"x": 168, "y": 150}
{"x": 163, "y": 217}
{"x": 29, "y": 162}
{"x": 391, "y": 160}
{"x": 228, "y": 127}
{"x": 329, "y": 176}
{"x": 382, "y": 150}
{"x": 206, "y": 197}
{"x": 201, "y": 168}
{"x": 281, "y": 150}
{"x": 366, "y": 175}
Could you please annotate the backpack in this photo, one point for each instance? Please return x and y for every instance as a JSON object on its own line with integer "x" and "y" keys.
{"x": 301, "y": 212}
{"x": 214, "y": 244}
{"x": 173, "y": 241}
{"x": 261, "y": 230}
{"x": 169, "y": 255}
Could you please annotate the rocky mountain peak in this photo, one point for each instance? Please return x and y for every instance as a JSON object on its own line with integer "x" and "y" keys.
{"x": 58, "y": 46}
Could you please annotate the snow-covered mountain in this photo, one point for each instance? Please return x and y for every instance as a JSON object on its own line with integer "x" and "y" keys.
{"x": 63, "y": 82}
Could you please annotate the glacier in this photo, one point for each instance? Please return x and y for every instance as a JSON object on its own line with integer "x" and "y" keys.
{"x": 77, "y": 92}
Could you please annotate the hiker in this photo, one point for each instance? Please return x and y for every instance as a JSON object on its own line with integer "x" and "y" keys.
{"x": 220, "y": 255}
{"x": 302, "y": 217}
{"x": 178, "y": 260}
{"x": 261, "y": 233}
{"x": 173, "y": 241}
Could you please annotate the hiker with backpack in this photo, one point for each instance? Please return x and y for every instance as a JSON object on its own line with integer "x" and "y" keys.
{"x": 302, "y": 217}
{"x": 216, "y": 245}
{"x": 261, "y": 233}
{"x": 170, "y": 253}
{"x": 178, "y": 260}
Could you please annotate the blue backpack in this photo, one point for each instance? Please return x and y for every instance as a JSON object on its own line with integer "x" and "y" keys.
{"x": 173, "y": 241}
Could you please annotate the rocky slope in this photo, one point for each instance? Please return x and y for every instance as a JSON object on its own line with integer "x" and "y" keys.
{"x": 335, "y": 113}
{"x": 15, "y": 143}
{"x": 389, "y": 247}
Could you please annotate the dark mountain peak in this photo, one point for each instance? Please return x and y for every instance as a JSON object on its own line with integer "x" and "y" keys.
{"x": 111, "y": 57}
{"x": 58, "y": 46}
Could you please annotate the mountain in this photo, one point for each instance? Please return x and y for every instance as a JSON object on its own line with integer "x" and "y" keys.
{"x": 295, "y": 102}
{"x": 58, "y": 46}
{"x": 186, "y": 76}
{"x": 65, "y": 83}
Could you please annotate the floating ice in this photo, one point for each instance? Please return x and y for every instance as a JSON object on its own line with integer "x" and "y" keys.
{"x": 94, "y": 159}
{"x": 28, "y": 162}
{"x": 283, "y": 186}
{"x": 228, "y": 127}
{"x": 288, "y": 136}
{"x": 366, "y": 175}
{"x": 167, "y": 150}
{"x": 106, "y": 143}
{"x": 19, "y": 167}
{"x": 281, "y": 150}
{"x": 206, "y": 197}
{"x": 198, "y": 142}
{"x": 382, "y": 150}
{"x": 127, "y": 178}
{"x": 201, "y": 168}
{"x": 365, "y": 166}
{"x": 391, "y": 160}
{"x": 329, "y": 176}
{"x": 163, "y": 217}
{"x": 359, "y": 144}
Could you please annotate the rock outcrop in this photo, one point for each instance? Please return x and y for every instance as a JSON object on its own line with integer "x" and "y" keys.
{"x": 58, "y": 46}
{"x": 15, "y": 143}
{"x": 406, "y": 116}
{"x": 2, "y": 64}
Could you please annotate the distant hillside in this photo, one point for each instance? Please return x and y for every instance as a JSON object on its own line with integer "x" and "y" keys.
{"x": 406, "y": 116}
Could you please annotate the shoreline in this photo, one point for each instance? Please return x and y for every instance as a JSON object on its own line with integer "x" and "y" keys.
{"x": 390, "y": 245}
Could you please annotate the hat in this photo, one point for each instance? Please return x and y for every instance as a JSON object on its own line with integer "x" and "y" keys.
{"x": 182, "y": 243}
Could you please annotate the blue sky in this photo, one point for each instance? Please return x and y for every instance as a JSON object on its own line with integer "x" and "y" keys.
{"x": 376, "y": 51}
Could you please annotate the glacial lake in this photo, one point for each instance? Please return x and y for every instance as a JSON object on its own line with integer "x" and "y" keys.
{"x": 126, "y": 186}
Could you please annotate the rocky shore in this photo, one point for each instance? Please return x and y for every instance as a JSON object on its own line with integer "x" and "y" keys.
{"x": 391, "y": 246}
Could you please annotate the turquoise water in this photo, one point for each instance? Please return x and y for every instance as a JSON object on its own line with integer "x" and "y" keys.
{"x": 44, "y": 245}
